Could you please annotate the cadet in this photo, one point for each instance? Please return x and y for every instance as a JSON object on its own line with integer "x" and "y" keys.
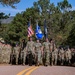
{"x": 62, "y": 55}
{"x": 17, "y": 51}
{"x": 23, "y": 51}
{"x": 54, "y": 56}
{"x": 30, "y": 51}
{"x": 68, "y": 56}
{"x": 73, "y": 56}
{"x": 12, "y": 55}
{"x": 38, "y": 52}
{"x": 46, "y": 52}
{"x": 52, "y": 46}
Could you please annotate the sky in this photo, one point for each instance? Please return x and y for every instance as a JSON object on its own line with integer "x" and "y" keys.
{"x": 24, "y": 4}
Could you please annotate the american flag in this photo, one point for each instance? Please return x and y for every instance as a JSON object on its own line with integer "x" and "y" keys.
{"x": 30, "y": 30}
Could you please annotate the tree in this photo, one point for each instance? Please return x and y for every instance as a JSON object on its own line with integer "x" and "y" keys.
{"x": 3, "y": 27}
{"x": 64, "y": 5}
{"x": 60, "y": 22}
{"x": 47, "y": 11}
{"x": 9, "y": 2}
{"x": 58, "y": 18}
{"x": 3, "y": 16}
{"x": 18, "y": 28}
{"x": 71, "y": 37}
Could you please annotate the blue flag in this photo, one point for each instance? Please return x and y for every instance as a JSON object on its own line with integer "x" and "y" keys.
{"x": 38, "y": 32}
{"x": 45, "y": 30}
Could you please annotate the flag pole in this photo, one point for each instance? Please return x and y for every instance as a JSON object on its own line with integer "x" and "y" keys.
{"x": 30, "y": 30}
{"x": 45, "y": 29}
{"x": 37, "y": 22}
{"x": 30, "y": 19}
{"x": 38, "y": 32}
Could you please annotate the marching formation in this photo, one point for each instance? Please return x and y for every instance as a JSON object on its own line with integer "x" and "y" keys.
{"x": 45, "y": 53}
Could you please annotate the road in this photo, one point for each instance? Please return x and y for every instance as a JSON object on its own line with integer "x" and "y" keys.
{"x": 35, "y": 70}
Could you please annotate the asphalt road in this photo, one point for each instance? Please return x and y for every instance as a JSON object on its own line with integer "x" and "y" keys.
{"x": 34, "y": 70}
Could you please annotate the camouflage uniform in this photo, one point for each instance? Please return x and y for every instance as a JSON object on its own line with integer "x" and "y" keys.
{"x": 11, "y": 55}
{"x": 73, "y": 56}
{"x": 52, "y": 46}
{"x": 23, "y": 51}
{"x": 23, "y": 56}
{"x": 0, "y": 53}
{"x": 5, "y": 51}
{"x": 46, "y": 52}
{"x": 62, "y": 55}
{"x": 30, "y": 51}
{"x": 38, "y": 56}
{"x": 68, "y": 56}
{"x": 54, "y": 56}
{"x": 17, "y": 50}
{"x": 30, "y": 46}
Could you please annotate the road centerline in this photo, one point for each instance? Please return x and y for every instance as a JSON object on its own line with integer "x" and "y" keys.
{"x": 30, "y": 71}
{"x": 23, "y": 71}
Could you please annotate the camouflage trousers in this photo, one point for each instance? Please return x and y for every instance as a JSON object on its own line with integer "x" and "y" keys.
{"x": 62, "y": 60}
{"x": 54, "y": 59}
{"x": 30, "y": 57}
{"x": 23, "y": 57}
{"x": 68, "y": 60}
{"x": 38, "y": 57}
{"x": 17, "y": 56}
{"x": 46, "y": 56}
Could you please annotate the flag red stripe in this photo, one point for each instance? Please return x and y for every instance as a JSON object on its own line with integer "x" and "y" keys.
{"x": 30, "y": 31}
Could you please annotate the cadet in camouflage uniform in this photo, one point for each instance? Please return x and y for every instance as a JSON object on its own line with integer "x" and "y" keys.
{"x": 38, "y": 52}
{"x": 30, "y": 51}
{"x": 52, "y": 46}
{"x": 73, "y": 56}
{"x": 46, "y": 52}
{"x": 68, "y": 56}
{"x": 54, "y": 56}
{"x": 62, "y": 55}
{"x": 17, "y": 51}
{"x": 23, "y": 52}
{"x": 0, "y": 52}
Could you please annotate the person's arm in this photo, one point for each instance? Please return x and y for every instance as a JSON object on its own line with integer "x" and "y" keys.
{"x": 26, "y": 47}
{"x": 34, "y": 49}
{"x": 51, "y": 47}
{"x": 42, "y": 47}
